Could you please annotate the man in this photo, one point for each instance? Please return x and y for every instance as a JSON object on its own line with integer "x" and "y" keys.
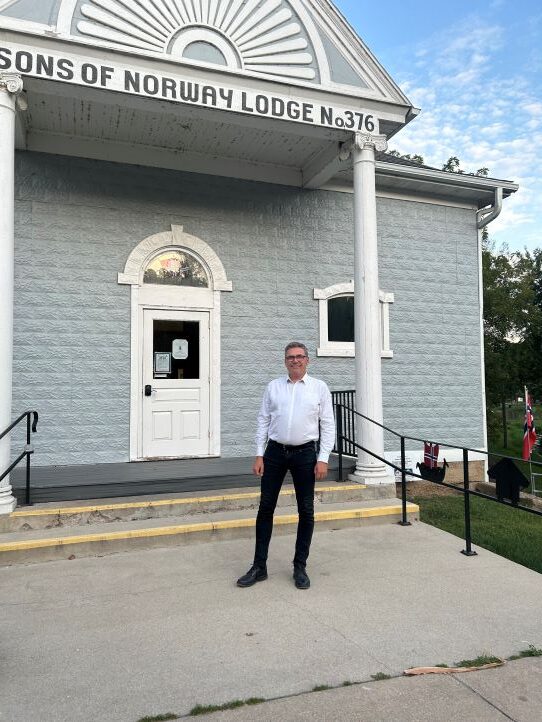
{"x": 296, "y": 414}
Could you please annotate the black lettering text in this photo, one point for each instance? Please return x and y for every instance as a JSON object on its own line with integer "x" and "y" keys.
{"x": 5, "y": 60}
{"x": 307, "y": 112}
{"x": 189, "y": 92}
{"x": 277, "y": 107}
{"x": 208, "y": 95}
{"x": 65, "y": 69}
{"x": 132, "y": 81}
{"x": 292, "y": 109}
{"x": 326, "y": 115}
{"x": 106, "y": 74}
{"x": 169, "y": 88}
{"x": 150, "y": 84}
{"x": 23, "y": 61}
{"x": 89, "y": 73}
{"x": 226, "y": 95}
{"x": 44, "y": 65}
{"x": 244, "y": 105}
{"x": 262, "y": 104}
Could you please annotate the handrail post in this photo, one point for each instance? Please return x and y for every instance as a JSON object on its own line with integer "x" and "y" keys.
{"x": 404, "y": 521}
{"x": 468, "y": 551}
{"x": 340, "y": 439}
{"x": 27, "y": 496}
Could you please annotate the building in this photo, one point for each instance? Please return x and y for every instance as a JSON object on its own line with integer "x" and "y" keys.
{"x": 197, "y": 183}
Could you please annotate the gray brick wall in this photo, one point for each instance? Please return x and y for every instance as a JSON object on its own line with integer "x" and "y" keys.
{"x": 77, "y": 221}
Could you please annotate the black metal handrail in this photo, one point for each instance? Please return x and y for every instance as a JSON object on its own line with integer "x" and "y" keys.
{"x": 28, "y": 450}
{"x": 466, "y": 490}
{"x": 346, "y": 400}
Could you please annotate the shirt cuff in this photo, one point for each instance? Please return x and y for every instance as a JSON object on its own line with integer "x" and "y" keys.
{"x": 260, "y": 450}
{"x": 323, "y": 456}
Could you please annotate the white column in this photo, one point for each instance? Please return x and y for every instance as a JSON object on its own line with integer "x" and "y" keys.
{"x": 367, "y": 313}
{"x": 10, "y": 86}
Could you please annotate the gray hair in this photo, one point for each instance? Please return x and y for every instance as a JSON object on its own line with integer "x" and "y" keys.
{"x": 296, "y": 344}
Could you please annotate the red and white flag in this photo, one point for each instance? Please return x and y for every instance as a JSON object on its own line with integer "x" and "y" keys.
{"x": 529, "y": 431}
{"x": 430, "y": 454}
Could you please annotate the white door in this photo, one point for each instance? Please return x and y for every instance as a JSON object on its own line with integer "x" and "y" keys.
{"x": 175, "y": 383}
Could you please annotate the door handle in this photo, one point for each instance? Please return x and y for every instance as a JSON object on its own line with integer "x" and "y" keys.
{"x": 148, "y": 390}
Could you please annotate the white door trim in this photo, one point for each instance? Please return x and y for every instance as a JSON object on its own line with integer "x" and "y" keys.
{"x": 148, "y": 296}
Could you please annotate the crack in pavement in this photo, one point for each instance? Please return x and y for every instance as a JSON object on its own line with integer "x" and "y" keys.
{"x": 479, "y": 694}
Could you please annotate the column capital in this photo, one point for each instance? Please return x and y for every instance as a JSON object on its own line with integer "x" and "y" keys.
{"x": 378, "y": 142}
{"x": 11, "y": 82}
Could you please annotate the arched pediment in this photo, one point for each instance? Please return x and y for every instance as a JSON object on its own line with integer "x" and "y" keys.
{"x": 305, "y": 42}
{"x": 176, "y": 238}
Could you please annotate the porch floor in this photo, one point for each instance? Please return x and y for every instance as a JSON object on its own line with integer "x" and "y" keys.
{"x": 135, "y": 478}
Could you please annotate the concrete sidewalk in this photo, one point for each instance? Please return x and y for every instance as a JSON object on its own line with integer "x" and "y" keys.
{"x": 116, "y": 638}
{"x": 512, "y": 692}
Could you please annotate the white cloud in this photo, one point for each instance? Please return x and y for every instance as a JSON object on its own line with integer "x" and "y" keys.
{"x": 482, "y": 117}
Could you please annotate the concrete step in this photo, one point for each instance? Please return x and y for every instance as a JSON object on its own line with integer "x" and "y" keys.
{"x": 75, "y": 541}
{"x": 48, "y": 515}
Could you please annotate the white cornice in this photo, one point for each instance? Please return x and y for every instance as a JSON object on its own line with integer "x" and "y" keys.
{"x": 446, "y": 178}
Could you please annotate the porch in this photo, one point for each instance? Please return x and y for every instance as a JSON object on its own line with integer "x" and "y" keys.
{"x": 101, "y": 481}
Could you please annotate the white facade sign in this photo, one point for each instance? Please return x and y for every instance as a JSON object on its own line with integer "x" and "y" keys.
{"x": 179, "y": 88}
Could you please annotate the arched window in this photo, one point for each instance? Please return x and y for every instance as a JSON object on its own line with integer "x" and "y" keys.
{"x": 175, "y": 268}
{"x": 336, "y": 319}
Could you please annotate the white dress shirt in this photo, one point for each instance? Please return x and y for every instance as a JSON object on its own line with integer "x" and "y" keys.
{"x": 295, "y": 413}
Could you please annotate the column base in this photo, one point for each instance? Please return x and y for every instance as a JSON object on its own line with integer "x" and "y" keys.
{"x": 7, "y": 501}
{"x": 372, "y": 475}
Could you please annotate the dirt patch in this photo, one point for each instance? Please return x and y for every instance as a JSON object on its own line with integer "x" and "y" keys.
{"x": 424, "y": 488}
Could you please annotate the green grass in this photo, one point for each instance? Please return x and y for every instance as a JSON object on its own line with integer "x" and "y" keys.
{"x": 321, "y": 687}
{"x": 479, "y": 661}
{"x": 531, "y": 651}
{"x": 380, "y": 676}
{"x": 159, "y": 717}
{"x": 207, "y": 708}
{"x": 511, "y": 533}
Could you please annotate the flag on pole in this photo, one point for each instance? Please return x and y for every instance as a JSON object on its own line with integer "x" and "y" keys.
{"x": 529, "y": 431}
{"x": 430, "y": 454}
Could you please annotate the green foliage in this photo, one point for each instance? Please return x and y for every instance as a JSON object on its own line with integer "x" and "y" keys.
{"x": 207, "y": 708}
{"x": 415, "y": 158}
{"x": 512, "y": 324}
{"x": 159, "y": 717}
{"x": 321, "y": 687}
{"x": 531, "y": 651}
{"x": 479, "y": 661}
{"x": 512, "y": 533}
{"x": 380, "y": 676}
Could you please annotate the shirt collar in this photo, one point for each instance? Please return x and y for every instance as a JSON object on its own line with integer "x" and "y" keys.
{"x": 304, "y": 378}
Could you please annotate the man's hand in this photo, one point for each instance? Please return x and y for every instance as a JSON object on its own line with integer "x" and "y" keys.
{"x": 320, "y": 470}
{"x": 257, "y": 467}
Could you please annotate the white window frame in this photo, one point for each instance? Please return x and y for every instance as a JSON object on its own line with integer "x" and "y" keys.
{"x": 347, "y": 348}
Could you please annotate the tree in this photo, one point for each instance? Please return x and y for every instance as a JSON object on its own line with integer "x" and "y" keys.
{"x": 415, "y": 158}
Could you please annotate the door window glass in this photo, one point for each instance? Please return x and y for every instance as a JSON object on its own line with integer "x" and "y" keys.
{"x": 175, "y": 349}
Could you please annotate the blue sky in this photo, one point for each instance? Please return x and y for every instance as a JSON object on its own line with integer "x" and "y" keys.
{"x": 474, "y": 67}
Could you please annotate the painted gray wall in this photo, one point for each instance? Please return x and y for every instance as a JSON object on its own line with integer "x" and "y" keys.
{"x": 78, "y": 220}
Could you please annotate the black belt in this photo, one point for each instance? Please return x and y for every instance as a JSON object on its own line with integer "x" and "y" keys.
{"x": 287, "y": 447}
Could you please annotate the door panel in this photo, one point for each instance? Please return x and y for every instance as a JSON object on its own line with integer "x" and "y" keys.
{"x": 176, "y": 367}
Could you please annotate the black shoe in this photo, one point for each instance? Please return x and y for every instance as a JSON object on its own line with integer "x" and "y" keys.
{"x": 254, "y": 574}
{"x": 301, "y": 578}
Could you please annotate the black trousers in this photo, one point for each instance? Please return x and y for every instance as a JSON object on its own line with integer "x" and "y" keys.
{"x": 300, "y": 461}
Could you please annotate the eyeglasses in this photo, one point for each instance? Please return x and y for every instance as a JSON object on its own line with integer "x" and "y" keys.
{"x": 299, "y": 357}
